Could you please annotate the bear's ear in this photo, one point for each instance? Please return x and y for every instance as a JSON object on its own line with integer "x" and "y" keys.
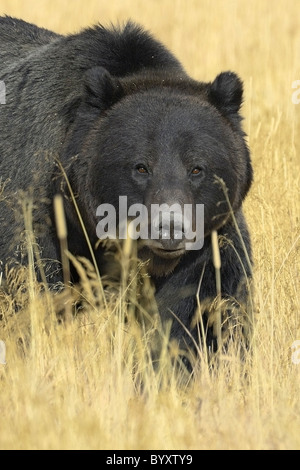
{"x": 226, "y": 93}
{"x": 101, "y": 89}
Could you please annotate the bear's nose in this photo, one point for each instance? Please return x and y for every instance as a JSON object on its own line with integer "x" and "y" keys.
{"x": 170, "y": 228}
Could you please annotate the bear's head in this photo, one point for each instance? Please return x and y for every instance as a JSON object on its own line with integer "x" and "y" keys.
{"x": 161, "y": 140}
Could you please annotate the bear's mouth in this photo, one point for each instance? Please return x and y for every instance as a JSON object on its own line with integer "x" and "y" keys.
{"x": 168, "y": 249}
{"x": 161, "y": 261}
{"x": 168, "y": 253}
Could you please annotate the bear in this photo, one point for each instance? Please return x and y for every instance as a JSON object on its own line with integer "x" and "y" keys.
{"x": 18, "y": 38}
{"x": 122, "y": 117}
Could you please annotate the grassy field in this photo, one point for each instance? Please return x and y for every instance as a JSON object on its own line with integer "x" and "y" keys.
{"x": 74, "y": 387}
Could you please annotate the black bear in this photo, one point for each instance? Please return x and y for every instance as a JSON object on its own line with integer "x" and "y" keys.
{"x": 123, "y": 118}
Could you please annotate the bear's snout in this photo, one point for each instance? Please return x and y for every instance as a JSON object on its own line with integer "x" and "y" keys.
{"x": 171, "y": 226}
{"x": 168, "y": 232}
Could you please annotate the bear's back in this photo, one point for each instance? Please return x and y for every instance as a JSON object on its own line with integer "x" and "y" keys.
{"x": 18, "y": 38}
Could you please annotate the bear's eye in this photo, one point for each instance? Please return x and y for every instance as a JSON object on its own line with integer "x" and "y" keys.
{"x": 196, "y": 171}
{"x": 142, "y": 169}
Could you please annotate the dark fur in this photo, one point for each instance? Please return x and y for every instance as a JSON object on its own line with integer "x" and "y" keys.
{"x": 103, "y": 101}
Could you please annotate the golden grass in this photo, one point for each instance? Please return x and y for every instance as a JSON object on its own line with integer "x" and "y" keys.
{"x": 79, "y": 386}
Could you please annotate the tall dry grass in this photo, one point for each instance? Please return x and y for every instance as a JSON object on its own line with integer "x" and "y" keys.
{"x": 91, "y": 384}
